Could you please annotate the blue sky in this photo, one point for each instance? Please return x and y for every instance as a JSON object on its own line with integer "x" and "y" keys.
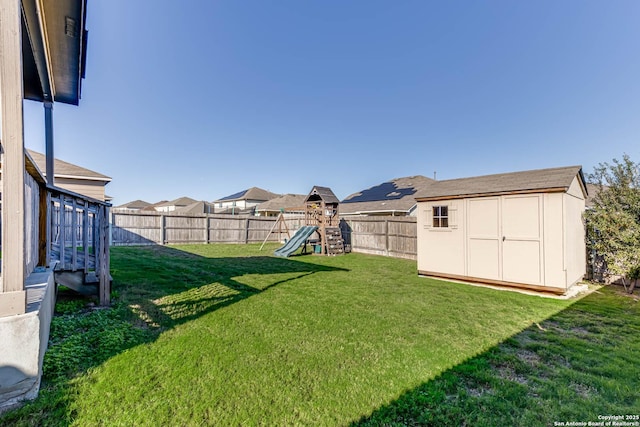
{"x": 208, "y": 98}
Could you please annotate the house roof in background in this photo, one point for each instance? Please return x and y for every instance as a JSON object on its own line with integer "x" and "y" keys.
{"x": 253, "y": 193}
{"x": 552, "y": 179}
{"x": 200, "y": 207}
{"x": 324, "y": 193}
{"x": 391, "y": 196}
{"x": 152, "y": 206}
{"x": 62, "y": 169}
{"x": 593, "y": 190}
{"x": 180, "y": 201}
{"x": 283, "y": 202}
{"x": 135, "y": 204}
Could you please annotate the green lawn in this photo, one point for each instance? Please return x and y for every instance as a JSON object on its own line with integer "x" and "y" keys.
{"x": 229, "y": 335}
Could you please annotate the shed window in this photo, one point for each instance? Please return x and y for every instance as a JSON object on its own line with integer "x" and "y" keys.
{"x": 441, "y": 216}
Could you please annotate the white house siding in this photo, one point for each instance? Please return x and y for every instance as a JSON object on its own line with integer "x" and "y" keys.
{"x": 93, "y": 189}
{"x": 169, "y": 208}
{"x": 240, "y": 204}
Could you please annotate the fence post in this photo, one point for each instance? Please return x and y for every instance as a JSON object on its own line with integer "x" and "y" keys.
{"x": 112, "y": 221}
{"x": 104, "y": 276}
{"x": 246, "y": 231}
{"x": 386, "y": 237}
{"x": 163, "y": 231}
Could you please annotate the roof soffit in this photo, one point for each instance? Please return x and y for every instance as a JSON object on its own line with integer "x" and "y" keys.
{"x": 55, "y": 41}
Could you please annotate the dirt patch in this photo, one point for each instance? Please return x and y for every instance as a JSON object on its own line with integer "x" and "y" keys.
{"x": 477, "y": 391}
{"x": 579, "y": 331}
{"x": 528, "y": 357}
{"x": 509, "y": 374}
{"x": 584, "y": 391}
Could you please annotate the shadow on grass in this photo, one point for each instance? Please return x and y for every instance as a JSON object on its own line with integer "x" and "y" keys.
{"x": 155, "y": 288}
{"x": 166, "y": 286}
{"x": 574, "y": 367}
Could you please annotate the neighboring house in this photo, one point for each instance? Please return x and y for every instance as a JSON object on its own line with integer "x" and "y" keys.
{"x": 287, "y": 203}
{"x": 173, "y": 205}
{"x": 395, "y": 198}
{"x": 200, "y": 207}
{"x": 521, "y": 229}
{"x": 593, "y": 190}
{"x": 152, "y": 206}
{"x": 243, "y": 200}
{"x": 136, "y": 205}
{"x": 236, "y": 211}
{"x": 73, "y": 177}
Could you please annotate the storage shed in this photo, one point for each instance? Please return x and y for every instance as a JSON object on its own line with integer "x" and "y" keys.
{"x": 522, "y": 229}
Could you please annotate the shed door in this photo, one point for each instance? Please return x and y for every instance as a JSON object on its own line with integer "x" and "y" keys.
{"x": 504, "y": 239}
{"x": 521, "y": 241}
{"x": 483, "y": 238}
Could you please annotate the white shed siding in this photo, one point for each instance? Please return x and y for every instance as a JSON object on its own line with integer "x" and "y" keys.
{"x": 440, "y": 247}
{"x": 534, "y": 239}
{"x": 575, "y": 189}
{"x": 576, "y": 262}
{"x": 554, "y": 248}
{"x": 522, "y": 232}
{"x": 483, "y": 238}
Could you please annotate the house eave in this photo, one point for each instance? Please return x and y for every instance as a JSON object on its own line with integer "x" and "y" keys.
{"x": 55, "y": 43}
{"x": 86, "y": 178}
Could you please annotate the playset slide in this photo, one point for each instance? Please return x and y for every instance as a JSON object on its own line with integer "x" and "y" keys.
{"x": 296, "y": 241}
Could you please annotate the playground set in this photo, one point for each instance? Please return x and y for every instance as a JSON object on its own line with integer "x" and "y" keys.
{"x": 321, "y": 230}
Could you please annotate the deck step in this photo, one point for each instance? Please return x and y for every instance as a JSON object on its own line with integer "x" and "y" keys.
{"x": 77, "y": 281}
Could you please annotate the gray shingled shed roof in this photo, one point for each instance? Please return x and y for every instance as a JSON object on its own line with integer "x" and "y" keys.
{"x": 62, "y": 169}
{"x": 397, "y": 195}
{"x": 553, "y": 179}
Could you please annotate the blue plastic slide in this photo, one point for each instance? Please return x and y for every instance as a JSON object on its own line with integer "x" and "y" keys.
{"x": 296, "y": 241}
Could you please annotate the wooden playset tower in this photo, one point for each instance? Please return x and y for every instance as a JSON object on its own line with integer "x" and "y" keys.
{"x": 321, "y": 210}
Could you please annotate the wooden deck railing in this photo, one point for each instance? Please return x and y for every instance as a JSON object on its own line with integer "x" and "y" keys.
{"x": 32, "y": 223}
{"x": 79, "y": 235}
{"x": 66, "y": 227}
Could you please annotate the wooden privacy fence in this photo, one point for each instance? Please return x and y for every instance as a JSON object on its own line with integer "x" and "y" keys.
{"x": 388, "y": 236}
{"x": 160, "y": 228}
{"x": 381, "y": 235}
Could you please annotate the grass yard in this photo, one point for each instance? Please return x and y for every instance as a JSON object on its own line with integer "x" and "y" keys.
{"x": 228, "y": 335}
